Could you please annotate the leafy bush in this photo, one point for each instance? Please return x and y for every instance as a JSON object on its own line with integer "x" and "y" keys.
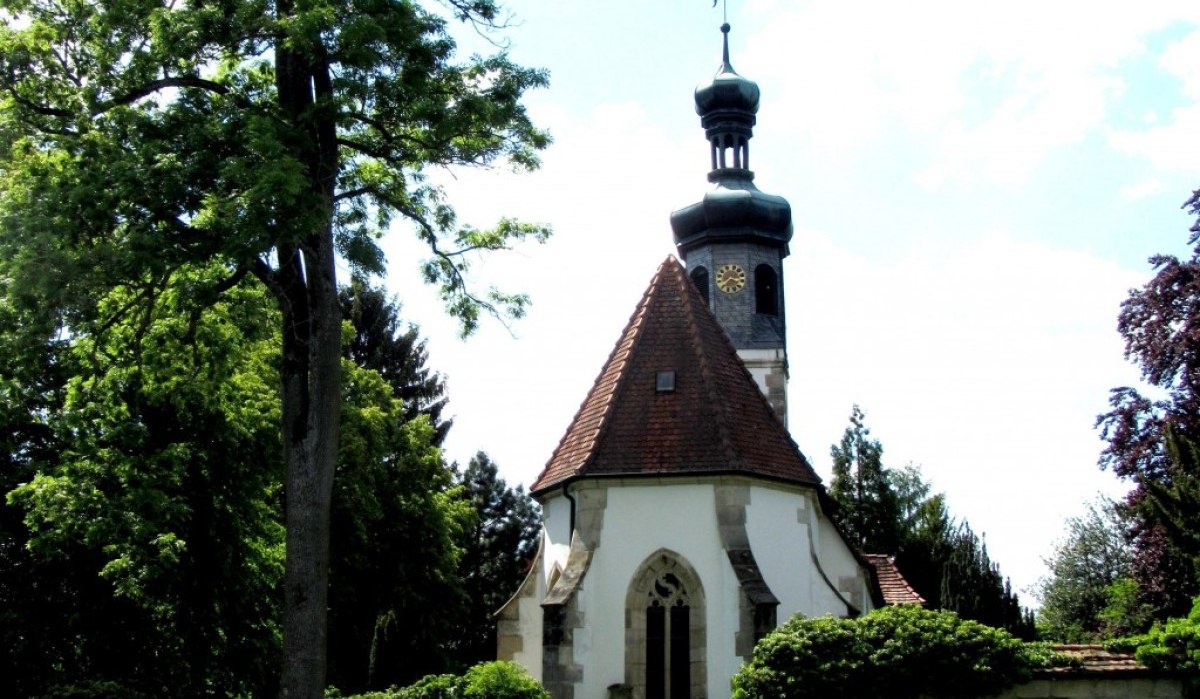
{"x": 891, "y": 653}
{"x": 500, "y": 680}
{"x": 434, "y": 687}
{"x": 97, "y": 689}
{"x": 1170, "y": 647}
{"x": 494, "y": 680}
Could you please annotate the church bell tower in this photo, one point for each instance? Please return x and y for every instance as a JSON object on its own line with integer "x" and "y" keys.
{"x": 733, "y": 241}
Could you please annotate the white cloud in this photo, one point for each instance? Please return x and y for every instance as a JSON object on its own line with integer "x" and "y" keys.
{"x": 993, "y": 89}
{"x": 1141, "y": 190}
{"x": 986, "y": 362}
{"x": 1182, "y": 58}
{"x": 1173, "y": 144}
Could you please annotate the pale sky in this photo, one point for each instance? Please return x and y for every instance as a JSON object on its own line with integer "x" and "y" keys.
{"x": 975, "y": 187}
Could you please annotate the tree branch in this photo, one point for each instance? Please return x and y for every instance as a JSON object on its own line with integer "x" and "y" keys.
{"x": 39, "y": 109}
{"x": 352, "y": 193}
{"x": 156, "y": 85}
{"x": 268, "y": 276}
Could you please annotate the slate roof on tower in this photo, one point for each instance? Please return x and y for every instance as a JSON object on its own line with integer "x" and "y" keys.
{"x": 715, "y": 421}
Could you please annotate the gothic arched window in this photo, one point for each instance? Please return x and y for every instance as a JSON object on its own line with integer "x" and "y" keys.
{"x": 664, "y": 632}
{"x": 766, "y": 290}
{"x": 668, "y": 655}
{"x": 700, "y": 279}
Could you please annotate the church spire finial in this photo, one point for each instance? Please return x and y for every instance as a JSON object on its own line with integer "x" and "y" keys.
{"x": 724, "y": 11}
{"x": 725, "y": 49}
{"x": 727, "y": 106}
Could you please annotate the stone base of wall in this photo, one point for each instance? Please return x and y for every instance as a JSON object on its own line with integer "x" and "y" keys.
{"x": 1093, "y": 688}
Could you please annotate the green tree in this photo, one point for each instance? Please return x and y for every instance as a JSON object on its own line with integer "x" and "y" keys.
{"x": 926, "y": 533}
{"x": 1125, "y": 611}
{"x": 895, "y": 511}
{"x": 1083, "y": 568}
{"x": 868, "y": 508}
{"x": 154, "y": 523}
{"x": 973, "y": 587}
{"x": 266, "y": 139}
{"x": 32, "y": 385}
{"x": 498, "y": 548}
{"x": 396, "y": 599}
{"x": 384, "y": 343}
{"x": 397, "y": 518}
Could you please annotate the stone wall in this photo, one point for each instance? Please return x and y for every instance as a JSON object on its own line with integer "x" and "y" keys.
{"x": 1097, "y": 688}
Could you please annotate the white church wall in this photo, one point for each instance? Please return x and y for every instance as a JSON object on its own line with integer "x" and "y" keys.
{"x": 777, "y": 524}
{"x": 556, "y": 533}
{"x": 841, "y": 568}
{"x": 638, "y": 518}
{"x": 638, "y": 521}
{"x": 530, "y": 625}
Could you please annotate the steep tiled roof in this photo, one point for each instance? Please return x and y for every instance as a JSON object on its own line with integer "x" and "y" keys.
{"x": 892, "y": 584}
{"x": 715, "y": 421}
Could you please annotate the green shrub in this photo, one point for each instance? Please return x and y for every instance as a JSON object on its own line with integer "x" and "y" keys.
{"x": 95, "y": 689}
{"x": 433, "y": 687}
{"x": 1174, "y": 645}
{"x": 1171, "y": 647}
{"x": 891, "y": 653}
{"x": 494, "y": 680}
{"x": 500, "y": 680}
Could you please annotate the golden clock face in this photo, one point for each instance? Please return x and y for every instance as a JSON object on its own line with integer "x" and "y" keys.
{"x": 730, "y": 278}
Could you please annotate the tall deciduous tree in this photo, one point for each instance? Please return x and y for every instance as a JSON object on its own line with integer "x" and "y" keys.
{"x": 1152, "y": 442}
{"x": 267, "y": 138}
{"x": 153, "y": 529}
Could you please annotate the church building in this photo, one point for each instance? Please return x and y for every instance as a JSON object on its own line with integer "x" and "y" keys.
{"x": 681, "y": 522}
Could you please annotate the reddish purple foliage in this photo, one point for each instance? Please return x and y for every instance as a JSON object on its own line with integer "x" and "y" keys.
{"x": 1161, "y": 326}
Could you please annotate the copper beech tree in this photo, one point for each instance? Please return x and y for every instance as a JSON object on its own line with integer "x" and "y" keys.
{"x": 273, "y": 138}
{"x": 1154, "y": 441}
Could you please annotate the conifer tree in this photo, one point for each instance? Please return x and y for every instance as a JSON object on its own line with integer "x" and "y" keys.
{"x": 499, "y": 546}
{"x": 869, "y": 511}
{"x": 383, "y": 343}
{"x": 894, "y": 512}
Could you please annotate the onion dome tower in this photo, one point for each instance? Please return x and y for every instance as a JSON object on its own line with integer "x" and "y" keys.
{"x": 733, "y": 241}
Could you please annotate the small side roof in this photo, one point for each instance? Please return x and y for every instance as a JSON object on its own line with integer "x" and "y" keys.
{"x": 892, "y": 585}
{"x": 714, "y": 421}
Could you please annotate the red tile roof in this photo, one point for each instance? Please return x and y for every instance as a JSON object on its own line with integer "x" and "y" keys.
{"x": 715, "y": 421}
{"x": 1090, "y": 660}
{"x": 892, "y": 584}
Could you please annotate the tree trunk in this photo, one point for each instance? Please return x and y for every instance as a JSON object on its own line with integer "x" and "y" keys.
{"x": 311, "y": 406}
{"x": 310, "y": 372}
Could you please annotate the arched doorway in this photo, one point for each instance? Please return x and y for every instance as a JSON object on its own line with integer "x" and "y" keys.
{"x": 665, "y": 630}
